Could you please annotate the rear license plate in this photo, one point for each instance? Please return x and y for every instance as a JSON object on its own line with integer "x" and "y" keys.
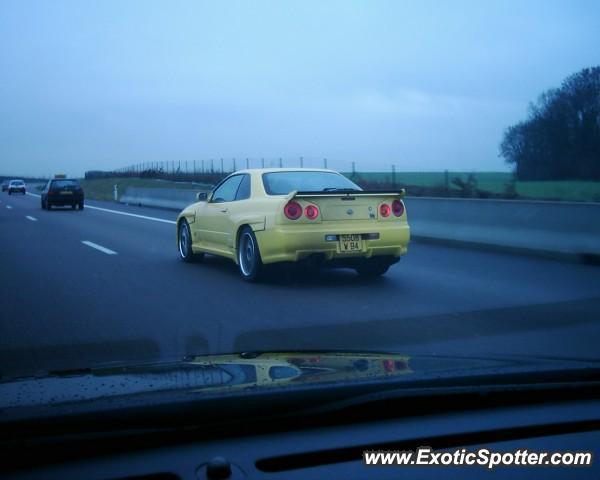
{"x": 66, "y": 192}
{"x": 350, "y": 243}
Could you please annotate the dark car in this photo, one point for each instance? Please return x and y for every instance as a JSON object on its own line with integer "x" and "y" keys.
{"x": 4, "y": 186}
{"x": 62, "y": 192}
{"x": 16, "y": 186}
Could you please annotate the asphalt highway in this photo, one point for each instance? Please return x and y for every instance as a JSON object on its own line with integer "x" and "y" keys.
{"x": 106, "y": 285}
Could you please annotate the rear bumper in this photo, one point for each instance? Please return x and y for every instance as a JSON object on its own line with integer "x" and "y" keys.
{"x": 65, "y": 200}
{"x": 17, "y": 190}
{"x": 293, "y": 243}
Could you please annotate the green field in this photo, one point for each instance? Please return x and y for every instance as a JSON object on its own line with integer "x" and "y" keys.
{"x": 492, "y": 182}
{"x": 560, "y": 190}
{"x": 496, "y": 183}
{"x": 102, "y": 188}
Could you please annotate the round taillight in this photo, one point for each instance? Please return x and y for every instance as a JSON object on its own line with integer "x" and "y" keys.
{"x": 398, "y": 208}
{"x": 293, "y": 210}
{"x": 384, "y": 210}
{"x": 389, "y": 365}
{"x": 311, "y": 212}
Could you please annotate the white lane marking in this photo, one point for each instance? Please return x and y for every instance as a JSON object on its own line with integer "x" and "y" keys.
{"x": 33, "y": 219}
{"x": 118, "y": 212}
{"x": 99, "y": 247}
{"x": 9, "y": 207}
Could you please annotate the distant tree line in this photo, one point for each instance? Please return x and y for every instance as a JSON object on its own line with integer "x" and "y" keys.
{"x": 560, "y": 139}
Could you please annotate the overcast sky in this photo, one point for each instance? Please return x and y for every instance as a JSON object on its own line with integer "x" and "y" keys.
{"x": 422, "y": 85}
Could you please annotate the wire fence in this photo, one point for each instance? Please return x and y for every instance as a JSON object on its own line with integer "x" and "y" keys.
{"x": 216, "y": 165}
{"x": 212, "y": 169}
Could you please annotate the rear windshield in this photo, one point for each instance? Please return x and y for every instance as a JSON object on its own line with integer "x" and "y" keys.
{"x": 17, "y": 182}
{"x": 282, "y": 183}
{"x": 64, "y": 183}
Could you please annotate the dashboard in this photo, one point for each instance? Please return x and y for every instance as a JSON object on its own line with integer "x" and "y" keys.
{"x": 336, "y": 451}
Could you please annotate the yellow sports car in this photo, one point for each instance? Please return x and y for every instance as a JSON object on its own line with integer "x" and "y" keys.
{"x": 294, "y": 368}
{"x": 264, "y": 216}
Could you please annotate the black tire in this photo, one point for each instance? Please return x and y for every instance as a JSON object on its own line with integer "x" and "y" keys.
{"x": 9, "y": 192}
{"x": 48, "y": 205}
{"x": 73, "y": 206}
{"x": 81, "y": 206}
{"x": 248, "y": 256}
{"x": 372, "y": 267}
{"x": 42, "y": 204}
{"x": 184, "y": 244}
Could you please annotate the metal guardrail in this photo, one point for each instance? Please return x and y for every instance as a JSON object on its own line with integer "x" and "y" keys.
{"x": 557, "y": 229}
{"x": 176, "y": 199}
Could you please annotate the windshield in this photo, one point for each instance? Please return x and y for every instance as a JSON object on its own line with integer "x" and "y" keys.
{"x": 282, "y": 183}
{"x": 64, "y": 183}
{"x": 275, "y": 196}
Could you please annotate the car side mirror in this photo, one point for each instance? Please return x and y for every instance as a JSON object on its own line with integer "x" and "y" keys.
{"x": 202, "y": 196}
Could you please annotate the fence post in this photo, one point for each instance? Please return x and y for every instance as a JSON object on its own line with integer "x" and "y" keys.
{"x": 222, "y": 170}
{"x": 212, "y": 166}
{"x": 353, "y": 169}
{"x": 301, "y": 162}
{"x": 247, "y": 164}
{"x": 262, "y": 162}
{"x": 234, "y": 169}
{"x": 394, "y": 176}
{"x": 280, "y": 163}
{"x": 446, "y": 181}
{"x": 324, "y": 163}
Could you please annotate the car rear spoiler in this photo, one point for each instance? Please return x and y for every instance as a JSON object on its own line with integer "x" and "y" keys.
{"x": 348, "y": 193}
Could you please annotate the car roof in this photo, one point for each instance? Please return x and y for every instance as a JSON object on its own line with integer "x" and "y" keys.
{"x": 258, "y": 171}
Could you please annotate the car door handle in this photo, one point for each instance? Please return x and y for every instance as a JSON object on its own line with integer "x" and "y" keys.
{"x": 225, "y": 210}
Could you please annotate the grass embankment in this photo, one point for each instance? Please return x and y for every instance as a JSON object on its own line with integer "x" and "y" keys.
{"x": 490, "y": 184}
{"x": 102, "y": 188}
